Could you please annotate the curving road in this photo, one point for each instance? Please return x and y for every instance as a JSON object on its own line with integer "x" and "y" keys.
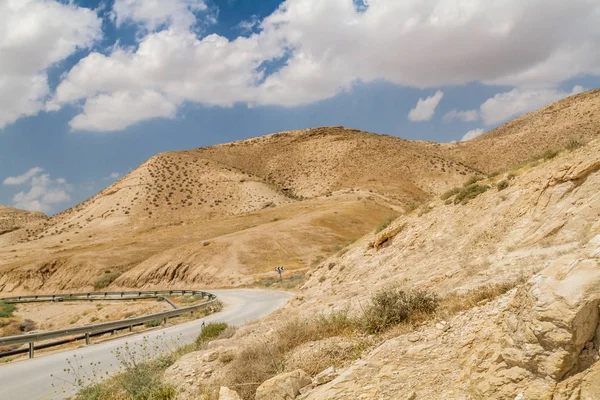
{"x": 31, "y": 379}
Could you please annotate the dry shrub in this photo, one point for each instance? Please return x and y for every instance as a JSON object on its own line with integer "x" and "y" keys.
{"x": 455, "y": 303}
{"x": 503, "y": 184}
{"x": 393, "y": 306}
{"x": 385, "y": 223}
{"x": 469, "y": 192}
{"x": 105, "y": 280}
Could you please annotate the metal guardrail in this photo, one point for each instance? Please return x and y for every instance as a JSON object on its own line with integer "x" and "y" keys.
{"x": 103, "y": 327}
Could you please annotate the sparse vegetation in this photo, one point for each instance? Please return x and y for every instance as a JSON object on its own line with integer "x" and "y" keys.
{"x": 573, "y": 144}
{"x": 469, "y": 192}
{"x": 450, "y": 193}
{"x": 549, "y": 154}
{"x": 385, "y": 224}
{"x": 393, "y": 306}
{"x": 457, "y": 302}
{"x": 210, "y": 332}
{"x": 153, "y": 323}
{"x": 503, "y": 184}
{"x": 105, "y": 280}
{"x": 288, "y": 281}
{"x": 6, "y": 309}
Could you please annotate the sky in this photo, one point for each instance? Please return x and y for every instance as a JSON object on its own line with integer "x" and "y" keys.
{"x": 90, "y": 89}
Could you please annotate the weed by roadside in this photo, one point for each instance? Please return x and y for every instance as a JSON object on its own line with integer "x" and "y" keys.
{"x": 106, "y": 279}
{"x": 6, "y": 309}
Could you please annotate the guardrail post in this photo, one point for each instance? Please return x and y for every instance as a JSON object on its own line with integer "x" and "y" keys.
{"x": 87, "y": 338}
{"x": 31, "y": 349}
{"x": 165, "y": 320}
{"x": 130, "y": 328}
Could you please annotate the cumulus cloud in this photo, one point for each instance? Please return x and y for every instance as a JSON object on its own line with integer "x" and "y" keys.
{"x": 114, "y": 175}
{"x": 43, "y": 193}
{"x": 422, "y": 44}
{"x": 34, "y": 35}
{"x": 465, "y": 116}
{"x": 152, "y": 14}
{"x": 472, "y": 134}
{"x": 121, "y": 109}
{"x": 425, "y": 108}
{"x": 504, "y": 106}
{"x": 21, "y": 179}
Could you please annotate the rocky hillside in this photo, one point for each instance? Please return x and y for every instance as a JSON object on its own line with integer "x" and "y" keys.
{"x": 534, "y": 228}
{"x": 574, "y": 118}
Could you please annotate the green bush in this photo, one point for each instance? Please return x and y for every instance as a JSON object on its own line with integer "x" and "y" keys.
{"x": 449, "y": 193}
{"x": 211, "y": 331}
{"x": 393, "y": 306}
{"x": 502, "y": 185}
{"x": 153, "y": 323}
{"x": 6, "y": 309}
{"x": 105, "y": 280}
{"x": 469, "y": 192}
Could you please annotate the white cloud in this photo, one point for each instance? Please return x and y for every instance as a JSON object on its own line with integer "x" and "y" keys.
{"x": 121, "y": 109}
{"x": 249, "y": 24}
{"x": 43, "y": 194}
{"x": 504, "y": 106}
{"x": 422, "y": 44}
{"x": 472, "y": 134}
{"x": 153, "y": 14}
{"x": 21, "y": 179}
{"x": 465, "y": 116}
{"x": 34, "y": 35}
{"x": 425, "y": 108}
{"x": 114, "y": 175}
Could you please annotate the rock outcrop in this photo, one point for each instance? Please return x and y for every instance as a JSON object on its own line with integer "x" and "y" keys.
{"x": 284, "y": 386}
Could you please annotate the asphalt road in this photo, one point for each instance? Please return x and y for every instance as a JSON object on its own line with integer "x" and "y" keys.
{"x": 43, "y": 377}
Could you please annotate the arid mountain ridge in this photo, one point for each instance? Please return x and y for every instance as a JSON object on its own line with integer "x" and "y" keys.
{"x": 224, "y": 215}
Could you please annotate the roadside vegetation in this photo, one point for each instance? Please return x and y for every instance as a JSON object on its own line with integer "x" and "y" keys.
{"x": 141, "y": 370}
{"x": 106, "y": 279}
{"x": 6, "y": 309}
{"x": 389, "y": 312}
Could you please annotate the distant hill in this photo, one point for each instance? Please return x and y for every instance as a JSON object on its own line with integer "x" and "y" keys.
{"x": 225, "y": 214}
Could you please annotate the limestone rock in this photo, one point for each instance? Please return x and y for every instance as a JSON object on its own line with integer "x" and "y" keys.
{"x": 227, "y": 394}
{"x": 326, "y": 376}
{"x": 284, "y": 386}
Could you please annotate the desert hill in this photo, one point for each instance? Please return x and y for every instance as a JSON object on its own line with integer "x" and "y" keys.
{"x": 519, "y": 260}
{"x": 575, "y": 118}
{"x": 226, "y": 214}
{"x": 13, "y": 219}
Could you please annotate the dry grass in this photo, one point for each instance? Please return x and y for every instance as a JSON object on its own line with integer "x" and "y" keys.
{"x": 458, "y": 302}
{"x": 385, "y": 223}
{"x": 264, "y": 359}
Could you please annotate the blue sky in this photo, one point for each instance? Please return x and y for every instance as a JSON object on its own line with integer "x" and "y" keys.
{"x": 90, "y": 89}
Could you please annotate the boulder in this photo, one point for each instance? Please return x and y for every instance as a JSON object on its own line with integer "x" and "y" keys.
{"x": 548, "y": 332}
{"x": 284, "y": 386}
{"x": 227, "y": 394}
{"x": 554, "y": 318}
